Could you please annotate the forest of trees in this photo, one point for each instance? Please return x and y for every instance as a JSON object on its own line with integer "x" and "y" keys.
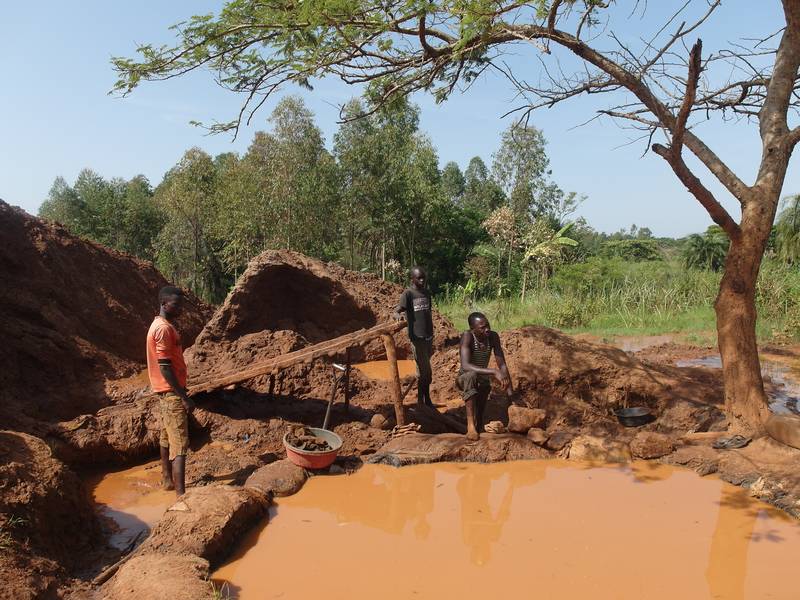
{"x": 378, "y": 202}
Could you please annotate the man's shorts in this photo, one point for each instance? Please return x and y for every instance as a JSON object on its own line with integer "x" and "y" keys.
{"x": 472, "y": 384}
{"x": 174, "y": 425}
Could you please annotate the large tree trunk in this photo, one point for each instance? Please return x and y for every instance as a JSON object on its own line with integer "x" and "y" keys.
{"x": 745, "y": 399}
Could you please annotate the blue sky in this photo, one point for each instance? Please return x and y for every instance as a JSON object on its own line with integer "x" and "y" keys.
{"x": 57, "y": 117}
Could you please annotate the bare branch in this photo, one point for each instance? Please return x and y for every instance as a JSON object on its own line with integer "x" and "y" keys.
{"x": 717, "y": 212}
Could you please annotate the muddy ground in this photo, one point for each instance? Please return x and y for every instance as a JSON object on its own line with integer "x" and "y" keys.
{"x": 74, "y": 331}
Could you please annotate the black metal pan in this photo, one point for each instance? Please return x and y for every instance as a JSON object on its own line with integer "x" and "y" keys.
{"x": 634, "y": 416}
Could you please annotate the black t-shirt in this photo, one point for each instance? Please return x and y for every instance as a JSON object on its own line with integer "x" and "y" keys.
{"x": 417, "y": 306}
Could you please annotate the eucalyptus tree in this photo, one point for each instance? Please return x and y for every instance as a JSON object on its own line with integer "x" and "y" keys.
{"x": 401, "y": 47}
{"x": 187, "y": 248}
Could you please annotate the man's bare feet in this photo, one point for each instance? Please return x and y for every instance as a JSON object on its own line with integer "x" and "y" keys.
{"x": 166, "y": 484}
{"x": 473, "y": 435}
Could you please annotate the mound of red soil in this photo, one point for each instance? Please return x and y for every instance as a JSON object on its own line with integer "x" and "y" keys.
{"x": 47, "y": 524}
{"x": 579, "y": 383}
{"x": 73, "y": 314}
{"x": 285, "y": 301}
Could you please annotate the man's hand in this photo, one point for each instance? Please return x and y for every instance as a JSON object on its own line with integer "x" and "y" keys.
{"x": 188, "y": 404}
{"x": 499, "y": 377}
{"x": 397, "y": 316}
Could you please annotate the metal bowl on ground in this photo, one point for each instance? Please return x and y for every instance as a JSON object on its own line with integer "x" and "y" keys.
{"x": 314, "y": 459}
{"x": 634, "y": 416}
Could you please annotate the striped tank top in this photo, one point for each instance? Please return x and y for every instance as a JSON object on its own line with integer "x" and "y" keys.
{"x": 479, "y": 356}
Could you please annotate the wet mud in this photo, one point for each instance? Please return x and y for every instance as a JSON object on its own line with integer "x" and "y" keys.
{"x": 557, "y": 529}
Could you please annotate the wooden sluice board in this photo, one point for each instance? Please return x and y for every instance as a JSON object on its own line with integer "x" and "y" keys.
{"x": 309, "y": 354}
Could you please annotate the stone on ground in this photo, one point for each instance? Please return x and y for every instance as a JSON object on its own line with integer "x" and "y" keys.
{"x": 171, "y": 576}
{"x": 596, "y": 449}
{"x": 281, "y": 478}
{"x": 538, "y": 436}
{"x": 649, "y": 444}
{"x": 521, "y": 418}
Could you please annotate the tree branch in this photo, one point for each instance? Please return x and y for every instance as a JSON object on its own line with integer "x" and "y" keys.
{"x": 717, "y": 212}
{"x": 673, "y": 154}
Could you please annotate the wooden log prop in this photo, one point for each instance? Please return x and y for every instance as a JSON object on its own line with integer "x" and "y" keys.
{"x": 394, "y": 378}
{"x": 304, "y": 355}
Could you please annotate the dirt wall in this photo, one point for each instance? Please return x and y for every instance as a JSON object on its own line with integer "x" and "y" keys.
{"x": 73, "y": 314}
{"x": 285, "y": 301}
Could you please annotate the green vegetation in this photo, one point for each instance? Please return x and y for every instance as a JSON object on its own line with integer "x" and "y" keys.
{"x": 611, "y": 297}
{"x": 498, "y": 240}
{"x": 6, "y": 538}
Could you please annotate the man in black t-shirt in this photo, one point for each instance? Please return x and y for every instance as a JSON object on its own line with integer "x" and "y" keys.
{"x": 415, "y": 302}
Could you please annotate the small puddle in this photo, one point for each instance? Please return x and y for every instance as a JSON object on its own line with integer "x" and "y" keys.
{"x": 783, "y": 395}
{"x": 540, "y": 529}
{"x": 132, "y": 499}
{"x": 379, "y": 369}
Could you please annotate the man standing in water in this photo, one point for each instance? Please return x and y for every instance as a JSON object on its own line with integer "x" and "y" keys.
{"x": 415, "y": 302}
{"x": 167, "y": 372}
{"x": 474, "y": 377}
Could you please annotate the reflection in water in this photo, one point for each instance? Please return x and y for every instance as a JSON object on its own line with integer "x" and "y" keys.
{"x": 549, "y": 529}
{"x": 132, "y": 499}
{"x": 784, "y": 395}
{"x": 379, "y": 369}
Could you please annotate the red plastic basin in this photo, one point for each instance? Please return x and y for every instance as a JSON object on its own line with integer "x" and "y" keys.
{"x": 316, "y": 459}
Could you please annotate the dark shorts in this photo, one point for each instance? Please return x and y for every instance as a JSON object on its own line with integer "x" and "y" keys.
{"x": 472, "y": 384}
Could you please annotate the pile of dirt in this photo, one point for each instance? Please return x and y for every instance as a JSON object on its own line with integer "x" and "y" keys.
{"x": 73, "y": 315}
{"x": 47, "y": 524}
{"x": 580, "y": 383}
{"x": 285, "y": 301}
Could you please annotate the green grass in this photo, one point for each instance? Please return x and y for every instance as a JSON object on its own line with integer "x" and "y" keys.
{"x": 5, "y": 531}
{"x": 609, "y": 299}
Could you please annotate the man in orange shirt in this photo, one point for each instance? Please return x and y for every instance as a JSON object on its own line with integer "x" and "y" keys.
{"x": 167, "y": 371}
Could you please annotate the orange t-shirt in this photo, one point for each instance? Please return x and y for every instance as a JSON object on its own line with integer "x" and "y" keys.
{"x": 163, "y": 341}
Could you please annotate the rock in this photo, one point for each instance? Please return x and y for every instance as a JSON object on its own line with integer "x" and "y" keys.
{"x": 170, "y": 576}
{"x": 558, "y": 440}
{"x": 207, "y": 522}
{"x": 419, "y": 448}
{"x": 649, "y": 444}
{"x": 596, "y": 449}
{"x": 702, "y": 459}
{"x": 538, "y": 436}
{"x": 521, "y": 418}
{"x": 378, "y": 421}
{"x": 784, "y": 429}
{"x": 736, "y": 469}
{"x": 281, "y": 478}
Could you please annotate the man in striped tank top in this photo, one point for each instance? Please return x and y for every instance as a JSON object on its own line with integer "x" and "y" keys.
{"x": 474, "y": 377}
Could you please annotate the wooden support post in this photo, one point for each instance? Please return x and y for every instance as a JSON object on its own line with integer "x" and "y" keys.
{"x": 272, "y": 386}
{"x": 394, "y": 378}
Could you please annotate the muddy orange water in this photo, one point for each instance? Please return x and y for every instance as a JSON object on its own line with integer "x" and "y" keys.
{"x": 132, "y": 499}
{"x": 527, "y": 529}
{"x": 379, "y": 369}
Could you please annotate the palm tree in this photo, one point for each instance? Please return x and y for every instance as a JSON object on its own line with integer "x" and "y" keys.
{"x": 706, "y": 251}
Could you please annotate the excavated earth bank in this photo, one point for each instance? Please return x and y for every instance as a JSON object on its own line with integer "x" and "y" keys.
{"x": 566, "y": 392}
{"x": 73, "y": 318}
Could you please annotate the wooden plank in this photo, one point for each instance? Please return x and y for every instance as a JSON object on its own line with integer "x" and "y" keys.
{"x": 304, "y": 355}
